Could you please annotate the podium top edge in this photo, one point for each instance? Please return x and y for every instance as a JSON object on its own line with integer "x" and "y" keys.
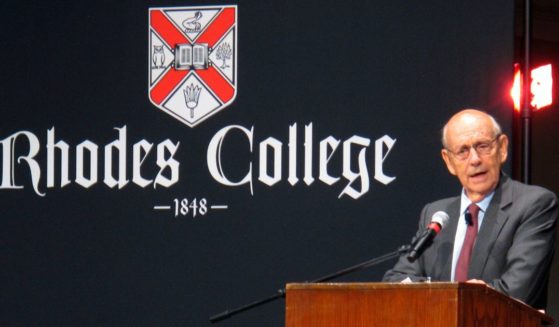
{"x": 458, "y": 286}
{"x": 371, "y": 285}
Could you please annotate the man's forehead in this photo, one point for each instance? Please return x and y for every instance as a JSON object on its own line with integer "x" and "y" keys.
{"x": 468, "y": 128}
{"x": 469, "y": 134}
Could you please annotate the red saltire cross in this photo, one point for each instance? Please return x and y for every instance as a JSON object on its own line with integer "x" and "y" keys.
{"x": 173, "y": 36}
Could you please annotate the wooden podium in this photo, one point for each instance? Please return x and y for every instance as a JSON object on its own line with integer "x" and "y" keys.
{"x": 396, "y": 304}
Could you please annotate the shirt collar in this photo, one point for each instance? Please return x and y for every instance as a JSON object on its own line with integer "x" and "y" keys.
{"x": 483, "y": 204}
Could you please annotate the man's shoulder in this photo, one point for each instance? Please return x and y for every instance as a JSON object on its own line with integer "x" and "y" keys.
{"x": 444, "y": 202}
{"x": 446, "y": 205}
{"x": 526, "y": 199}
{"x": 520, "y": 189}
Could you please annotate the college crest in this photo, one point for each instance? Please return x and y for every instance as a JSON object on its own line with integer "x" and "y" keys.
{"x": 192, "y": 60}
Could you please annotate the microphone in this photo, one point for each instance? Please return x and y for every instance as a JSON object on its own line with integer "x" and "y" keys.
{"x": 468, "y": 218}
{"x": 438, "y": 222}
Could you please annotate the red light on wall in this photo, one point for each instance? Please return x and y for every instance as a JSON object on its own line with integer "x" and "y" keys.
{"x": 515, "y": 91}
{"x": 541, "y": 88}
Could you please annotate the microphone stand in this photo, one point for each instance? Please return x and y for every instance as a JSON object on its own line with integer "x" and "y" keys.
{"x": 281, "y": 292}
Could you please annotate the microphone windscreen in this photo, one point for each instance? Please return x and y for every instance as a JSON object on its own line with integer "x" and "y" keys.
{"x": 441, "y": 218}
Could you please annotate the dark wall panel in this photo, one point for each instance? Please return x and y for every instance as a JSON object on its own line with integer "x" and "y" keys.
{"x": 357, "y": 71}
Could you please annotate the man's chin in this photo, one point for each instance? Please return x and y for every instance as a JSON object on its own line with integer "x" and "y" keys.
{"x": 479, "y": 191}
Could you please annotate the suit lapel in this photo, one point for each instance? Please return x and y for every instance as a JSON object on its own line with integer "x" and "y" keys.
{"x": 493, "y": 222}
{"x": 447, "y": 238}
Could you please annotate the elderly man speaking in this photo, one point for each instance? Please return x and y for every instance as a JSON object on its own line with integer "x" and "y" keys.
{"x": 501, "y": 232}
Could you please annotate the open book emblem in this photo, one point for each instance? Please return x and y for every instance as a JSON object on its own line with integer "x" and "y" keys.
{"x": 192, "y": 60}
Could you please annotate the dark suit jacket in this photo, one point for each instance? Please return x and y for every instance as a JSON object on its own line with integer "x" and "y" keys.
{"x": 514, "y": 246}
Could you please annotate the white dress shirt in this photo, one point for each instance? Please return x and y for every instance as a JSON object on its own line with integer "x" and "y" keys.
{"x": 462, "y": 225}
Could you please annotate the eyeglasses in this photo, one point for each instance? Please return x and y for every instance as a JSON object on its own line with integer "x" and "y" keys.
{"x": 481, "y": 148}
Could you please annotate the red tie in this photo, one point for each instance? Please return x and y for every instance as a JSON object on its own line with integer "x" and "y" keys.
{"x": 461, "y": 272}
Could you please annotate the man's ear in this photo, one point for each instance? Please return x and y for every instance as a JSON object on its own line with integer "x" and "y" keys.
{"x": 449, "y": 165}
{"x": 503, "y": 147}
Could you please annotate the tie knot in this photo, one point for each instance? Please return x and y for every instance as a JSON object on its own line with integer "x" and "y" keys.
{"x": 473, "y": 210}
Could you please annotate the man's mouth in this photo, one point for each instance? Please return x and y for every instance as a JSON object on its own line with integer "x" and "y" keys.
{"x": 478, "y": 175}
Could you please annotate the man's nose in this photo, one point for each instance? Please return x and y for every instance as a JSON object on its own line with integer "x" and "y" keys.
{"x": 474, "y": 157}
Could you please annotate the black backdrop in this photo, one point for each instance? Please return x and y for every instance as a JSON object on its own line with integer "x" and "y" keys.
{"x": 104, "y": 256}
